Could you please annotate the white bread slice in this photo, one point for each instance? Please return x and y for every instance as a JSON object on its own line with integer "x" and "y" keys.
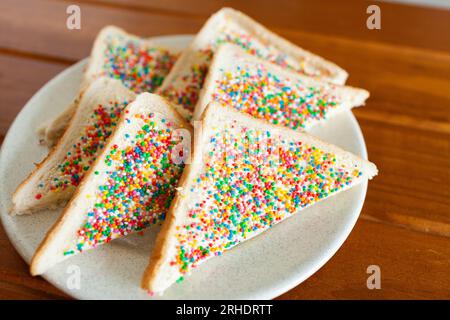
{"x": 235, "y": 189}
{"x": 139, "y": 63}
{"x": 127, "y": 189}
{"x": 54, "y": 180}
{"x": 267, "y": 91}
{"x": 184, "y": 82}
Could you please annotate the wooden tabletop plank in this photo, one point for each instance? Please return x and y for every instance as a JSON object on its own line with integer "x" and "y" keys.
{"x": 19, "y": 83}
{"x": 413, "y": 265}
{"x": 15, "y": 280}
{"x": 406, "y": 191}
{"x": 45, "y": 34}
{"x": 401, "y": 24}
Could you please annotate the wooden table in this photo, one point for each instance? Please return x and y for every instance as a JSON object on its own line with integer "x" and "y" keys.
{"x": 405, "y": 223}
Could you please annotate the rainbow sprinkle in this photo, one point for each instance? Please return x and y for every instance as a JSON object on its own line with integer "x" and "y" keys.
{"x": 187, "y": 95}
{"x": 253, "y": 89}
{"x": 251, "y": 181}
{"x": 83, "y": 152}
{"x": 140, "y": 67}
{"x": 263, "y": 50}
{"x": 184, "y": 89}
{"x": 139, "y": 184}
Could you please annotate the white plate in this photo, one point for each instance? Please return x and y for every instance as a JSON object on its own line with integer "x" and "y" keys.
{"x": 262, "y": 268}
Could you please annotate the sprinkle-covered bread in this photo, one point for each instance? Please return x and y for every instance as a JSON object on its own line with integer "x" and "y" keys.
{"x": 138, "y": 63}
{"x": 266, "y": 91}
{"x": 129, "y": 187}
{"x": 183, "y": 84}
{"x": 246, "y": 176}
{"x": 54, "y": 180}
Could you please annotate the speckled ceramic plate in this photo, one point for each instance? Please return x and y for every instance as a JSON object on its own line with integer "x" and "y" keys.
{"x": 261, "y": 268}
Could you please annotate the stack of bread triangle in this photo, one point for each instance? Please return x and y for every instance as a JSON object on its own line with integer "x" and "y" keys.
{"x": 125, "y": 158}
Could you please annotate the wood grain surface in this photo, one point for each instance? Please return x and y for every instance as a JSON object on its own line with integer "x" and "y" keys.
{"x": 405, "y": 223}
